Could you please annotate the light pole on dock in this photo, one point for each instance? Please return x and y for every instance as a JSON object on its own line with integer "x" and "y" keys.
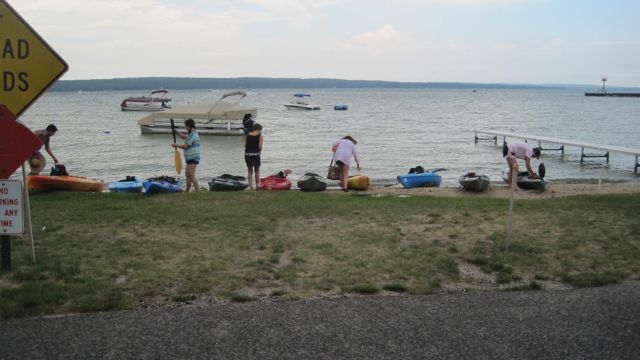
{"x": 604, "y": 80}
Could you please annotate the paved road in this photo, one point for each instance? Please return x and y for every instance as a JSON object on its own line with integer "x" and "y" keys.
{"x": 598, "y": 323}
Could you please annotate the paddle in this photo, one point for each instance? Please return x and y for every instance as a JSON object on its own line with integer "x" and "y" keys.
{"x": 178, "y": 159}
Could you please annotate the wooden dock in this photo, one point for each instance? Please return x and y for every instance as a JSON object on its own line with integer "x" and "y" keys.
{"x": 612, "y": 94}
{"x": 562, "y": 142}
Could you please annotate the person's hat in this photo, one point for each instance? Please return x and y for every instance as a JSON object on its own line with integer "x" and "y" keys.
{"x": 536, "y": 152}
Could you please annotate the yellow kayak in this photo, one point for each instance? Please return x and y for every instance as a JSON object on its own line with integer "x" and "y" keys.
{"x": 358, "y": 182}
{"x": 69, "y": 183}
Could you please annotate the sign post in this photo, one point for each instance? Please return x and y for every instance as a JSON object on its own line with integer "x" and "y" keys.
{"x": 11, "y": 214}
{"x": 28, "y": 67}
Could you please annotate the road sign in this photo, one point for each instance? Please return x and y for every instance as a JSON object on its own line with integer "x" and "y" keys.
{"x": 28, "y": 65}
{"x": 11, "y": 207}
{"x": 17, "y": 143}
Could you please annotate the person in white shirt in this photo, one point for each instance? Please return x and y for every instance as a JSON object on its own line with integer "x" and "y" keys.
{"x": 344, "y": 149}
{"x": 523, "y": 151}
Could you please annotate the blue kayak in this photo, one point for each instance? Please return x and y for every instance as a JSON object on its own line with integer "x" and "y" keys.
{"x": 425, "y": 179}
{"x": 129, "y": 185}
{"x": 162, "y": 185}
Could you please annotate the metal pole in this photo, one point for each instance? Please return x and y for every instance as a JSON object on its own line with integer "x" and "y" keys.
{"x": 514, "y": 183}
{"x": 6, "y": 252}
{"x": 27, "y": 214}
{"x": 582, "y": 156}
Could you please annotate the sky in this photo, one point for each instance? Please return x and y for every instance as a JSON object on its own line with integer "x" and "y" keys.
{"x": 488, "y": 41}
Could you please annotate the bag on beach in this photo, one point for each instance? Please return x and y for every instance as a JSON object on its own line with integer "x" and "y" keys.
{"x": 334, "y": 171}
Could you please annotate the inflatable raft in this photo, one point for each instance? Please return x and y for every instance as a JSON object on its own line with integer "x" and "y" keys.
{"x": 227, "y": 182}
{"x": 312, "y": 182}
{"x": 130, "y": 184}
{"x": 162, "y": 185}
{"x": 274, "y": 182}
{"x": 68, "y": 183}
{"x": 358, "y": 182}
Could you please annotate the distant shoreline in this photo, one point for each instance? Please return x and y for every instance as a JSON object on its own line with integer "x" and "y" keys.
{"x": 190, "y": 83}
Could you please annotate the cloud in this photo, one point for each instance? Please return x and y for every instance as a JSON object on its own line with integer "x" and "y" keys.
{"x": 385, "y": 35}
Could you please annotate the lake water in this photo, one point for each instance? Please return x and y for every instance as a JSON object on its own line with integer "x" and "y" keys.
{"x": 395, "y": 129}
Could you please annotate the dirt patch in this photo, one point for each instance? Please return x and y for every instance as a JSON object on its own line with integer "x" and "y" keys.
{"x": 501, "y": 191}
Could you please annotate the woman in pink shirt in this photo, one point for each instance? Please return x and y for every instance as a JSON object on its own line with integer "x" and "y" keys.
{"x": 344, "y": 149}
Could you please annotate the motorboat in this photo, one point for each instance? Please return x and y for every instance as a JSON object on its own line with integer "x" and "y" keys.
{"x": 301, "y": 102}
{"x": 341, "y": 107}
{"x": 224, "y": 117}
{"x": 147, "y": 103}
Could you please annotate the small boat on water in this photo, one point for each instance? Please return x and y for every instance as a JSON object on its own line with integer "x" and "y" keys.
{"x": 130, "y": 184}
{"x": 228, "y": 182}
{"x": 341, "y": 107}
{"x": 147, "y": 103}
{"x": 358, "y": 182}
{"x": 428, "y": 178}
{"x": 162, "y": 185}
{"x": 274, "y": 182}
{"x": 301, "y": 102}
{"x": 63, "y": 182}
{"x": 312, "y": 182}
{"x": 473, "y": 182}
{"x": 224, "y": 117}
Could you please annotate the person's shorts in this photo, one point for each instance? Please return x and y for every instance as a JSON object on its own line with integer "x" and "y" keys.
{"x": 340, "y": 163}
{"x": 37, "y": 155}
{"x": 193, "y": 162}
{"x": 252, "y": 160}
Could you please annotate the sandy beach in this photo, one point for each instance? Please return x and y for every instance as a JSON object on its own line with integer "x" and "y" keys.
{"x": 501, "y": 191}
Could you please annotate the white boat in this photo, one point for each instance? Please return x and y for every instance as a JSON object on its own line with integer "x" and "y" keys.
{"x": 147, "y": 103}
{"x": 300, "y": 102}
{"x": 224, "y": 117}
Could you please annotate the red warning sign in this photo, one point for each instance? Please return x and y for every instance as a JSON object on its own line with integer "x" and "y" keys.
{"x": 17, "y": 143}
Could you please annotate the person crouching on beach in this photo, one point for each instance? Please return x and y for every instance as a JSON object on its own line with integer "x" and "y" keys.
{"x": 523, "y": 151}
{"x": 37, "y": 161}
{"x": 344, "y": 149}
{"x": 191, "y": 149}
{"x": 252, "y": 150}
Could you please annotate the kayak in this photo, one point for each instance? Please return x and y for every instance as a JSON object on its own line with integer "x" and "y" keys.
{"x": 68, "y": 183}
{"x": 525, "y": 183}
{"x": 227, "y": 182}
{"x": 358, "y": 182}
{"x": 274, "y": 182}
{"x": 312, "y": 182}
{"x": 162, "y": 185}
{"x": 130, "y": 184}
{"x": 425, "y": 179}
{"x": 472, "y": 182}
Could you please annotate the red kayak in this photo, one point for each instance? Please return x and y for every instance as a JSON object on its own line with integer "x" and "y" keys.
{"x": 274, "y": 182}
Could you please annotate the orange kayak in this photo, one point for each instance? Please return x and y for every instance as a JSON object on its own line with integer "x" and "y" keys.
{"x": 358, "y": 182}
{"x": 69, "y": 183}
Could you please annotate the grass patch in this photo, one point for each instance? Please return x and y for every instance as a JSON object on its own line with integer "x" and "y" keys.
{"x": 364, "y": 289}
{"x": 106, "y": 251}
{"x": 395, "y": 287}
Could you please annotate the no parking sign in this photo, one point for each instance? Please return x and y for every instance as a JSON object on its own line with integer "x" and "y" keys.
{"x": 11, "y": 207}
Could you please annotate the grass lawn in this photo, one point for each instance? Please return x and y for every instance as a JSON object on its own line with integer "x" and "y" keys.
{"x": 115, "y": 251}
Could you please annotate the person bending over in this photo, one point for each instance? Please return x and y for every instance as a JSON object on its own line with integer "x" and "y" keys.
{"x": 523, "y": 151}
{"x": 37, "y": 161}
